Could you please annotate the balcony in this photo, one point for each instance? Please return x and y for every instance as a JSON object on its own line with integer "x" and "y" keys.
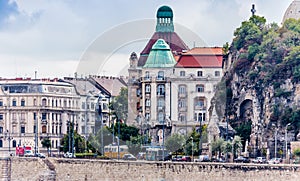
{"x": 160, "y": 79}
{"x": 182, "y": 95}
{"x": 197, "y": 107}
{"x": 147, "y": 79}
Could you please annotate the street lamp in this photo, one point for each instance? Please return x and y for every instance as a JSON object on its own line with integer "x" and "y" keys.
{"x": 276, "y": 142}
{"x": 286, "y": 148}
{"x": 192, "y": 149}
{"x": 118, "y": 141}
{"x": 9, "y": 138}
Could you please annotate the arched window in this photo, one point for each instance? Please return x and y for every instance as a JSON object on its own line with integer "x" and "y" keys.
{"x": 22, "y": 102}
{"x": 182, "y": 89}
{"x": 148, "y": 103}
{"x": 181, "y": 103}
{"x": 160, "y": 75}
{"x": 34, "y": 102}
{"x": 161, "y": 89}
{"x": 1, "y": 143}
{"x": 14, "y": 102}
{"x": 147, "y": 75}
{"x": 44, "y": 102}
{"x": 148, "y": 88}
{"x": 200, "y": 88}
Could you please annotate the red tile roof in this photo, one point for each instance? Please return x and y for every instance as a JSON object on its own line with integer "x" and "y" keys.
{"x": 175, "y": 42}
{"x": 205, "y": 57}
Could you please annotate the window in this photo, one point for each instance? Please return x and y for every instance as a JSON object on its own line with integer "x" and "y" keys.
{"x": 44, "y": 102}
{"x": 161, "y": 89}
{"x": 181, "y": 103}
{"x": 138, "y": 92}
{"x": 199, "y": 73}
{"x": 147, "y": 116}
{"x": 22, "y": 102}
{"x": 1, "y": 103}
{"x": 83, "y": 105}
{"x": 147, "y": 75}
{"x": 161, "y": 117}
{"x": 14, "y": 102}
{"x": 217, "y": 73}
{"x": 34, "y": 102}
{"x": 44, "y": 129}
{"x": 22, "y": 129}
{"x": 199, "y": 117}
{"x": 1, "y": 129}
{"x": 199, "y": 88}
{"x": 1, "y": 117}
{"x": 14, "y": 143}
{"x": 182, "y": 117}
{"x": 92, "y": 106}
{"x": 199, "y": 102}
{"x": 148, "y": 103}
{"x": 44, "y": 116}
{"x": 182, "y": 73}
{"x": 34, "y": 129}
{"x": 160, "y": 75}
{"x": 1, "y": 143}
{"x": 148, "y": 88}
{"x": 182, "y": 89}
{"x": 161, "y": 103}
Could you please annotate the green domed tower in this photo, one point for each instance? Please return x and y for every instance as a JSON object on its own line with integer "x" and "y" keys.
{"x": 164, "y": 19}
{"x": 160, "y": 56}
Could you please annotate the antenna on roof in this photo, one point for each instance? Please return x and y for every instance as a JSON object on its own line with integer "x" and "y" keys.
{"x": 35, "y": 74}
{"x": 253, "y": 10}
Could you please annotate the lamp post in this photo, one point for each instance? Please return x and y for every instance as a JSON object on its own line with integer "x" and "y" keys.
{"x": 276, "y": 142}
{"x": 286, "y": 148}
{"x": 192, "y": 149}
{"x": 118, "y": 141}
{"x": 9, "y": 138}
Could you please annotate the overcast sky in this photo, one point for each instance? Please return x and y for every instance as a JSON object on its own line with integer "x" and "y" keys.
{"x": 52, "y": 37}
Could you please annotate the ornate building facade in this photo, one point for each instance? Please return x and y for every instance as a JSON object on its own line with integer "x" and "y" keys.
{"x": 170, "y": 86}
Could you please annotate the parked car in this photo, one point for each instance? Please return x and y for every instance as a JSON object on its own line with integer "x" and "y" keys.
{"x": 221, "y": 160}
{"x": 41, "y": 155}
{"x": 186, "y": 159}
{"x": 275, "y": 161}
{"x": 69, "y": 155}
{"x": 129, "y": 157}
{"x": 28, "y": 153}
{"x": 202, "y": 158}
{"x": 260, "y": 160}
{"x": 177, "y": 158}
{"x": 242, "y": 159}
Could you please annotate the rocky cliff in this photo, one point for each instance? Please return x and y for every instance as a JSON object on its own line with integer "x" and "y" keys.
{"x": 262, "y": 84}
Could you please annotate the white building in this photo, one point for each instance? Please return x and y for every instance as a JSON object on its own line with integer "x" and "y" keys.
{"x": 35, "y": 109}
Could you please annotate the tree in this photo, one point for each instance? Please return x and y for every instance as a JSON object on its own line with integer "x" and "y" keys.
{"x": 119, "y": 105}
{"x": 46, "y": 142}
{"x": 175, "y": 143}
{"x": 296, "y": 152}
{"x": 216, "y": 146}
{"x": 95, "y": 140}
{"x": 80, "y": 144}
{"x": 237, "y": 145}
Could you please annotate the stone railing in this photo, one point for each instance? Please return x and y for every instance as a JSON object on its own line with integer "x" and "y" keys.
{"x": 84, "y": 169}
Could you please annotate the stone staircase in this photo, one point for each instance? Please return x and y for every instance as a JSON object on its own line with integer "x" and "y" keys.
{"x": 5, "y": 169}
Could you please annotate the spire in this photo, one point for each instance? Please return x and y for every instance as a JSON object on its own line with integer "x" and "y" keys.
{"x": 164, "y": 21}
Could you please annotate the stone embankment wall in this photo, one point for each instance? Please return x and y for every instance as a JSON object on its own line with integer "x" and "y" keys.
{"x": 103, "y": 170}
